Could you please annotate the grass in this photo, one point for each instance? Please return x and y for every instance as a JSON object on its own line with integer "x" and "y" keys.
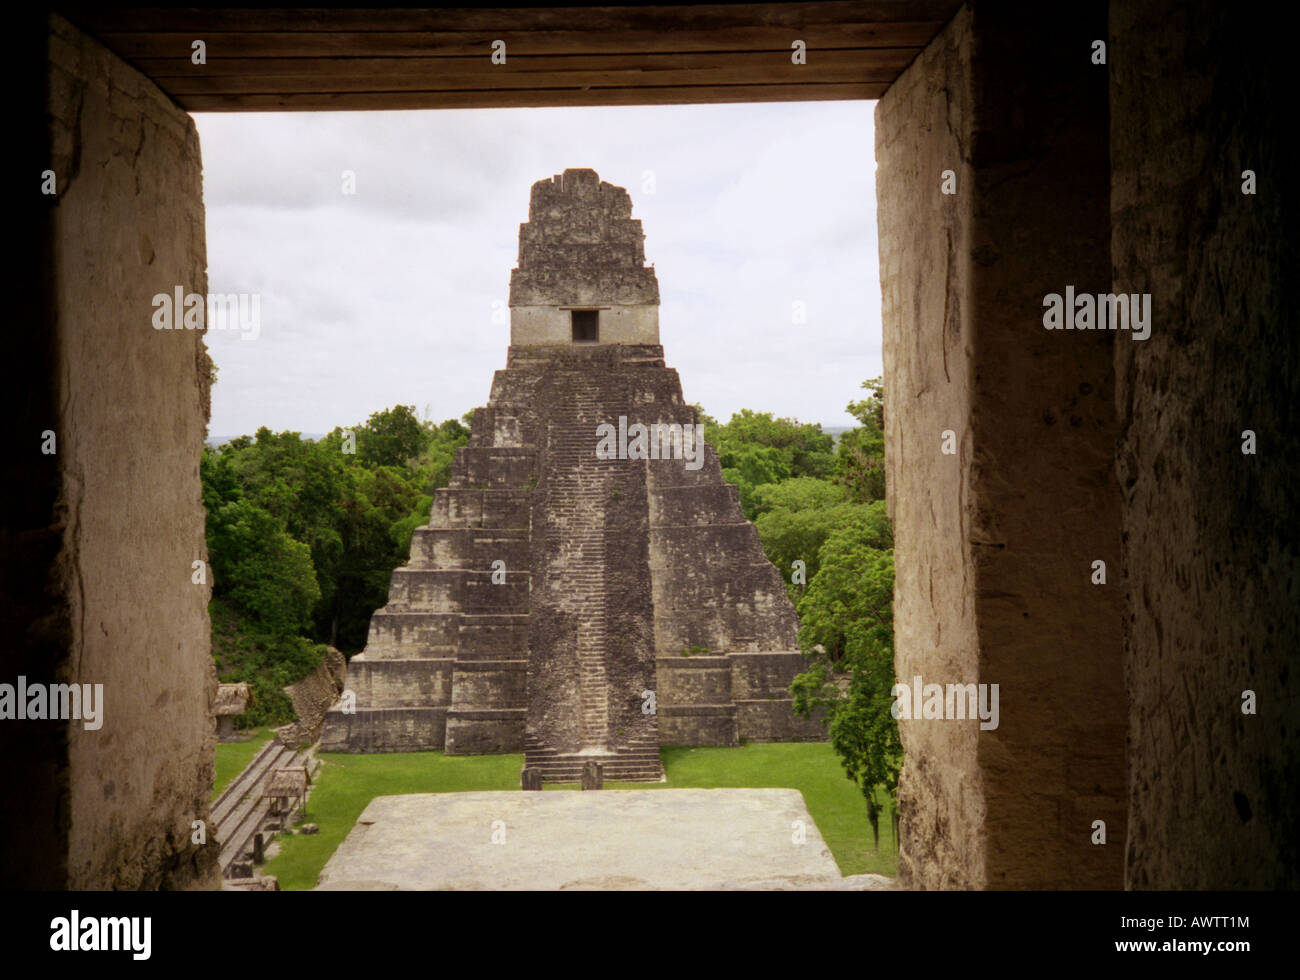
{"x": 348, "y": 782}
{"x": 234, "y": 757}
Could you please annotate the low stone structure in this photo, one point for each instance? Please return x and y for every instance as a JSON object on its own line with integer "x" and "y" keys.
{"x": 232, "y": 701}
{"x": 312, "y": 697}
{"x": 286, "y": 787}
{"x": 586, "y": 546}
{"x": 671, "y": 839}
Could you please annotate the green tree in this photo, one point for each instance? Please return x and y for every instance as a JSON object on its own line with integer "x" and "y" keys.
{"x": 798, "y": 493}
{"x": 749, "y": 467}
{"x": 435, "y": 462}
{"x": 789, "y": 535}
{"x": 391, "y": 437}
{"x": 754, "y": 448}
{"x": 705, "y": 419}
{"x": 303, "y": 539}
{"x": 804, "y": 447}
{"x": 860, "y": 456}
{"x": 846, "y": 631}
{"x": 260, "y": 568}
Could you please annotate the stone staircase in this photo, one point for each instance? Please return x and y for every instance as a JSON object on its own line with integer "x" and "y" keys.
{"x": 578, "y": 483}
{"x": 637, "y": 763}
{"x": 578, "y": 486}
{"x": 241, "y": 812}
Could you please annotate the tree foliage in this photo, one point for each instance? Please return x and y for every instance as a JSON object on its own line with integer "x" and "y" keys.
{"x": 755, "y": 449}
{"x": 822, "y": 504}
{"x": 391, "y": 437}
{"x": 261, "y": 568}
{"x": 846, "y": 630}
{"x": 303, "y": 536}
{"x": 860, "y": 456}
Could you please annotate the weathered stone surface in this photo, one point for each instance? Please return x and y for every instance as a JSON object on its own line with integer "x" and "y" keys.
{"x": 1211, "y": 556}
{"x": 113, "y": 559}
{"x": 312, "y": 697}
{"x": 625, "y": 839}
{"x": 384, "y": 730}
{"x": 712, "y": 700}
{"x": 921, "y": 125}
{"x": 581, "y": 248}
{"x": 698, "y": 724}
{"x": 581, "y": 245}
{"x": 994, "y": 543}
{"x": 247, "y": 883}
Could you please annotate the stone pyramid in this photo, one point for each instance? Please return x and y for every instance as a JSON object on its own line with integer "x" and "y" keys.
{"x": 587, "y": 588}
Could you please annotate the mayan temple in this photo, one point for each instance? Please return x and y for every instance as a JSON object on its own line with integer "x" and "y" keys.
{"x": 587, "y": 587}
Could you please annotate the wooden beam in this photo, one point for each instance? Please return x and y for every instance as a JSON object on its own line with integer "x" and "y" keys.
{"x": 523, "y": 98}
{"x": 419, "y": 44}
{"x": 651, "y": 17}
{"x": 478, "y": 74}
{"x": 389, "y": 58}
{"x": 886, "y": 62}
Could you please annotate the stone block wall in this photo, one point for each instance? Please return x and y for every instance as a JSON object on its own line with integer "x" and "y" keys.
{"x": 312, "y": 697}
{"x": 724, "y": 700}
{"x": 1211, "y": 554}
{"x": 694, "y": 701}
{"x": 401, "y": 683}
{"x": 385, "y": 730}
{"x": 995, "y": 543}
{"x": 590, "y": 630}
{"x": 760, "y": 685}
{"x": 616, "y": 557}
{"x": 922, "y": 128}
{"x": 132, "y": 404}
{"x": 549, "y": 325}
{"x": 581, "y": 248}
{"x": 445, "y": 661}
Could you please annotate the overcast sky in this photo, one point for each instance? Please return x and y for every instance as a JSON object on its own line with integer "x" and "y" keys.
{"x": 386, "y": 296}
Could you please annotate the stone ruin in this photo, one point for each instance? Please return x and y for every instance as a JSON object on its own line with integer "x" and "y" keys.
{"x": 232, "y": 701}
{"x": 563, "y": 601}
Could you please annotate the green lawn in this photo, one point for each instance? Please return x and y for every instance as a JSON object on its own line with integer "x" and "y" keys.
{"x": 234, "y": 757}
{"x": 348, "y": 782}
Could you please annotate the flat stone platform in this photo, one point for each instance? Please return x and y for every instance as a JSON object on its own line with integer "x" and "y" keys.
{"x": 671, "y": 839}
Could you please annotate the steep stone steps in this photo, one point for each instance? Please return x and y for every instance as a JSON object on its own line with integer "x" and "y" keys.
{"x": 576, "y": 485}
{"x": 569, "y": 770}
{"x": 639, "y": 762}
{"x": 239, "y": 787}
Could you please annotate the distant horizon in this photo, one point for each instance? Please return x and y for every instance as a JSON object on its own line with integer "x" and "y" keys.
{"x": 215, "y": 441}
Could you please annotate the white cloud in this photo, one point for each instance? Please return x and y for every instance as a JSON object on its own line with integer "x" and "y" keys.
{"x": 385, "y": 296}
